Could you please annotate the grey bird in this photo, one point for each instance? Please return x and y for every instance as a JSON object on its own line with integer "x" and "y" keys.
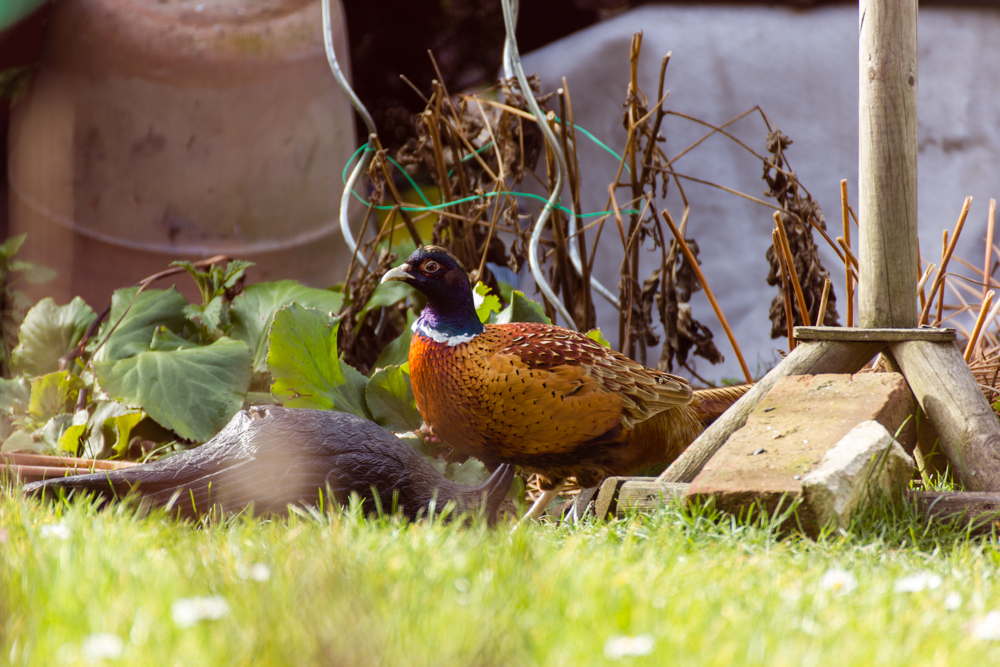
{"x": 270, "y": 457}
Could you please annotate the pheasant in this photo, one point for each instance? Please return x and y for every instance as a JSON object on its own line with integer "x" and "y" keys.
{"x": 271, "y": 457}
{"x": 548, "y": 399}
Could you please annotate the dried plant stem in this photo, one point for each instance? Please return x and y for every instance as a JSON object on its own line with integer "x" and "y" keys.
{"x": 939, "y": 278}
{"x": 847, "y": 252}
{"x": 785, "y": 289}
{"x": 940, "y": 291}
{"x": 974, "y": 338}
{"x": 143, "y": 284}
{"x": 693, "y": 263}
{"x": 355, "y": 255}
{"x": 790, "y": 263}
{"x": 514, "y": 58}
{"x": 989, "y": 245}
{"x": 923, "y": 283}
{"x": 849, "y": 287}
{"x": 827, "y": 284}
{"x": 407, "y": 220}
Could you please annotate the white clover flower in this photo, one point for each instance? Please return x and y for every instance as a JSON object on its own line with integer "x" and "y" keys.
{"x": 57, "y": 530}
{"x": 839, "y": 581}
{"x": 986, "y": 628}
{"x": 917, "y": 582}
{"x": 103, "y": 646}
{"x": 952, "y": 601}
{"x": 620, "y": 646}
{"x": 189, "y": 611}
{"x": 257, "y": 572}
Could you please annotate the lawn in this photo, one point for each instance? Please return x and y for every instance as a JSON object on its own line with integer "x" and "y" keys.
{"x": 675, "y": 587}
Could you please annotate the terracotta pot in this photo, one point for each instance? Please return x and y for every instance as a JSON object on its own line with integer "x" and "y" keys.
{"x": 155, "y": 131}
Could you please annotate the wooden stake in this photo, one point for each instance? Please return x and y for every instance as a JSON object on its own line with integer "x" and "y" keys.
{"x": 887, "y": 188}
{"x": 989, "y": 246}
{"x": 949, "y": 249}
{"x": 969, "y": 434}
{"x": 848, "y": 278}
{"x": 821, "y": 316}
{"x": 974, "y": 338}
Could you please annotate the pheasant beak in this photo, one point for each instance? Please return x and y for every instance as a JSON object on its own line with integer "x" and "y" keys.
{"x": 398, "y": 273}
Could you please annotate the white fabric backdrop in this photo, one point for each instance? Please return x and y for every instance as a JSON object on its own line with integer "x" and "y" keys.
{"x": 800, "y": 66}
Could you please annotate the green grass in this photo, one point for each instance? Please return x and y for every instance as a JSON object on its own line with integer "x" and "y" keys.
{"x": 343, "y": 590}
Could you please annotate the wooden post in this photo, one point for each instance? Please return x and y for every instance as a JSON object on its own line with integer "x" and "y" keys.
{"x": 887, "y": 171}
{"x": 961, "y": 415}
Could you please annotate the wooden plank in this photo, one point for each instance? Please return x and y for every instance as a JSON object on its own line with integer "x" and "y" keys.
{"x": 607, "y": 498}
{"x": 969, "y": 434}
{"x": 28, "y": 473}
{"x": 648, "y": 496}
{"x": 808, "y": 358}
{"x": 888, "y": 260}
{"x": 871, "y": 335}
{"x": 981, "y": 510}
{"x": 25, "y": 458}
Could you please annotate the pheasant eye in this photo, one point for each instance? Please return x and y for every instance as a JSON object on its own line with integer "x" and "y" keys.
{"x": 431, "y": 266}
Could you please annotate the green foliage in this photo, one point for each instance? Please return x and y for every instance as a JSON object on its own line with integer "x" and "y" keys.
{"x": 14, "y": 82}
{"x": 596, "y": 335}
{"x": 192, "y": 391}
{"x": 163, "y": 368}
{"x": 47, "y": 333}
{"x": 304, "y": 364}
{"x": 13, "y": 302}
{"x": 389, "y": 395}
{"x": 253, "y": 311}
{"x": 397, "y": 352}
{"x": 487, "y": 304}
{"x": 133, "y": 319}
{"x": 522, "y": 309}
{"x": 217, "y": 280}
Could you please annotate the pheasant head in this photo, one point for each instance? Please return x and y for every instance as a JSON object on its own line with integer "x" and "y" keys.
{"x": 450, "y": 314}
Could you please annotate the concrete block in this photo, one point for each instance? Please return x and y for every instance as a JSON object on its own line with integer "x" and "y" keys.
{"x": 790, "y": 431}
{"x": 866, "y": 461}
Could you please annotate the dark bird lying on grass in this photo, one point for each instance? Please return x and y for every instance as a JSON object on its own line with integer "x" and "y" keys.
{"x": 271, "y": 457}
{"x": 548, "y": 399}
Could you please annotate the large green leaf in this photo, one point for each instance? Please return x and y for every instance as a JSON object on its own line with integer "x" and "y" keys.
{"x": 15, "y": 395}
{"x": 397, "y": 352}
{"x": 487, "y": 304}
{"x": 101, "y": 436}
{"x": 53, "y": 394}
{"x": 21, "y": 440}
{"x": 253, "y": 311}
{"x": 193, "y": 392}
{"x": 390, "y": 399}
{"x": 522, "y": 309}
{"x": 69, "y": 441}
{"x": 48, "y": 332}
{"x": 151, "y": 309}
{"x": 385, "y": 294}
{"x": 165, "y": 340}
{"x": 304, "y": 364}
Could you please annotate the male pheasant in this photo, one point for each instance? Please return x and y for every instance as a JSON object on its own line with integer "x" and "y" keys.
{"x": 548, "y": 399}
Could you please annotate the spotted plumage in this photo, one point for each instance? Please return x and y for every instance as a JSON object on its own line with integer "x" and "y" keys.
{"x": 546, "y": 398}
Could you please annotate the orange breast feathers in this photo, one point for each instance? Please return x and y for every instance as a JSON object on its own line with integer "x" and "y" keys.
{"x": 523, "y": 390}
